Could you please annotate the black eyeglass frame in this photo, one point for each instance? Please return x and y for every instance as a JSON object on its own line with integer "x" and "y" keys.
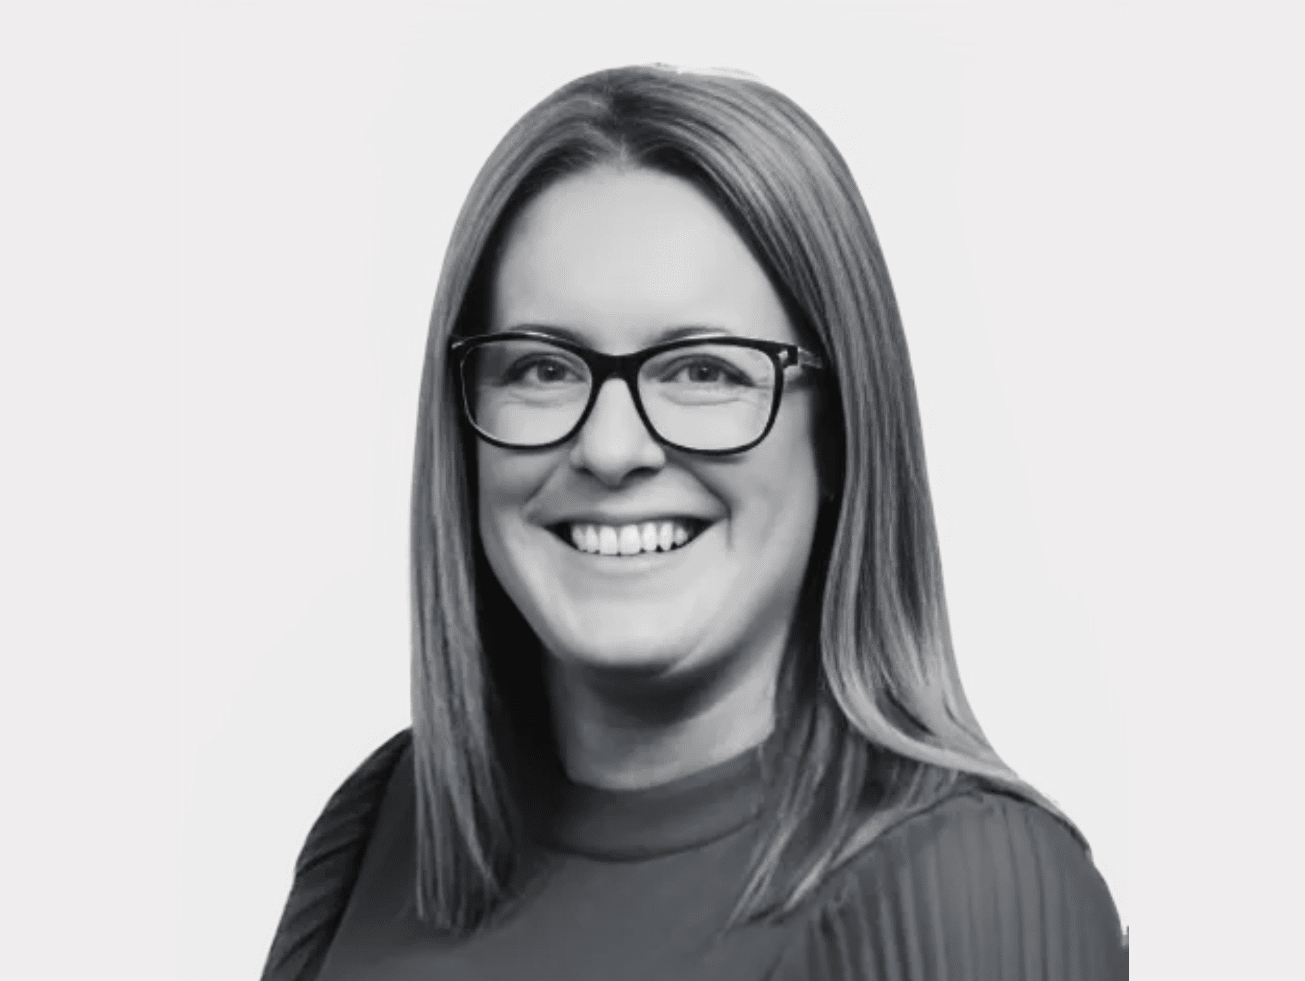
{"x": 604, "y": 366}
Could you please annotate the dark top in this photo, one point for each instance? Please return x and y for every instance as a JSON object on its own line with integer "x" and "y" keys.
{"x": 638, "y": 885}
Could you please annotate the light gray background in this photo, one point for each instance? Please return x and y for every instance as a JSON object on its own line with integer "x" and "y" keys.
{"x": 230, "y": 225}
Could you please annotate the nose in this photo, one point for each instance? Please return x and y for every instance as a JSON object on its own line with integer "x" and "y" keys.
{"x": 614, "y": 443}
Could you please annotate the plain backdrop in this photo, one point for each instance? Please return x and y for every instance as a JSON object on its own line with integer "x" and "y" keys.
{"x": 224, "y": 226}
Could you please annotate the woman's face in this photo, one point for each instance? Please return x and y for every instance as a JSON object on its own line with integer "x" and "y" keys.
{"x": 619, "y": 259}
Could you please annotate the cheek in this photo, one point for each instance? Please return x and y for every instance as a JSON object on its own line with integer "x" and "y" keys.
{"x": 774, "y": 495}
{"x": 506, "y": 481}
{"x": 791, "y": 465}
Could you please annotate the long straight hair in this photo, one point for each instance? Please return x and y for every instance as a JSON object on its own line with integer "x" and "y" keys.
{"x": 872, "y": 723}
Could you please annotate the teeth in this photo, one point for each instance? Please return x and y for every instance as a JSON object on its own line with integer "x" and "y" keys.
{"x": 608, "y": 542}
{"x": 650, "y": 536}
{"x": 665, "y": 536}
{"x": 631, "y": 542}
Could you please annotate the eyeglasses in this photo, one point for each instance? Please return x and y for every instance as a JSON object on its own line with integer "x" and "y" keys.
{"x": 711, "y": 395}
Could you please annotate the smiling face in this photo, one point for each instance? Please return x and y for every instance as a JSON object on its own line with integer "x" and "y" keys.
{"x": 620, "y": 260}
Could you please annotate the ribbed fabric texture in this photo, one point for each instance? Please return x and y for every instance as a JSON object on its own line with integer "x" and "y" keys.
{"x": 328, "y": 867}
{"x": 980, "y": 888}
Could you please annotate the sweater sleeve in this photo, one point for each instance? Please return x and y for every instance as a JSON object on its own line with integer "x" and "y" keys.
{"x": 981, "y": 888}
{"x": 328, "y": 867}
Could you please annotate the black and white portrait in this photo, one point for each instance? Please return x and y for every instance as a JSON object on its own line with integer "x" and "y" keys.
{"x": 699, "y": 492}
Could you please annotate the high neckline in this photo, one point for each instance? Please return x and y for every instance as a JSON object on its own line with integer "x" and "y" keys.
{"x": 629, "y": 825}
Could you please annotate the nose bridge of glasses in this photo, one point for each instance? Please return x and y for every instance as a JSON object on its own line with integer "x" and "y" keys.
{"x": 604, "y": 367}
{"x": 620, "y": 368}
{"x": 617, "y": 372}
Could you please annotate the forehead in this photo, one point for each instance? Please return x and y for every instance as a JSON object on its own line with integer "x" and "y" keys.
{"x": 621, "y": 257}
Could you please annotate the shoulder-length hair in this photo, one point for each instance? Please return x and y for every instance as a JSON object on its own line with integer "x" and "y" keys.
{"x": 872, "y": 724}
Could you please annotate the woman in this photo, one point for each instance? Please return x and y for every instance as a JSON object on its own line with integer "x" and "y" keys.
{"x": 684, "y": 699}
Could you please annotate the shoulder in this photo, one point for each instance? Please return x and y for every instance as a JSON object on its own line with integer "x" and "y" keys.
{"x": 328, "y": 865}
{"x": 360, "y": 794}
{"x": 980, "y": 886}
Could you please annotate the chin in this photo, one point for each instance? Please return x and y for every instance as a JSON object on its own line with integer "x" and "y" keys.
{"x": 622, "y": 620}
{"x": 626, "y": 648}
{"x": 626, "y": 654}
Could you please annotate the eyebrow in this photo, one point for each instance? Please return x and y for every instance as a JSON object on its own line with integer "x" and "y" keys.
{"x": 668, "y": 334}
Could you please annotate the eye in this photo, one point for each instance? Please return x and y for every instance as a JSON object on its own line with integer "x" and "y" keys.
{"x": 542, "y": 369}
{"x": 699, "y": 370}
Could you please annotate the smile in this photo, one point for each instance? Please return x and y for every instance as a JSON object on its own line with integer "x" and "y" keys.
{"x": 631, "y": 539}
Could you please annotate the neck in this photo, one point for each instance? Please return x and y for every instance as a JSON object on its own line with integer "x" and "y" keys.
{"x": 615, "y": 738}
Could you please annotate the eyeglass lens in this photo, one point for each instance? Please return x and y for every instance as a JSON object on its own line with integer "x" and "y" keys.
{"x": 701, "y": 397}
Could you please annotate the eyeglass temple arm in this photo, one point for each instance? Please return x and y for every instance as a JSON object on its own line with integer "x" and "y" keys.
{"x": 805, "y": 359}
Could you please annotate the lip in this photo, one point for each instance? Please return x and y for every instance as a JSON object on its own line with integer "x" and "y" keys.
{"x": 628, "y": 518}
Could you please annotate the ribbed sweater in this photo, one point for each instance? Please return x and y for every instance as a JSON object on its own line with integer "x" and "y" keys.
{"x": 639, "y": 885}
